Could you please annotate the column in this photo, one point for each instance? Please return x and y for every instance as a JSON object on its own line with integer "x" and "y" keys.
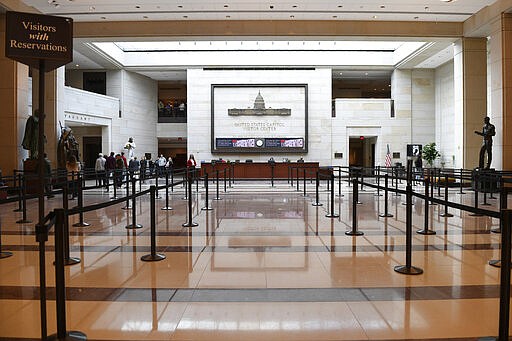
{"x": 14, "y": 109}
{"x": 470, "y": 92}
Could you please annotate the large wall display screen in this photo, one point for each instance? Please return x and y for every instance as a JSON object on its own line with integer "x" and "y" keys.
{"x": 259, "y": 118}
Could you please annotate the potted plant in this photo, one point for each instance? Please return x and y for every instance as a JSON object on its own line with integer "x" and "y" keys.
{"x": 430, "y": 153}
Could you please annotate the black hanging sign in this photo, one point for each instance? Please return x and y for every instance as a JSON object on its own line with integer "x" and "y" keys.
{"x": 31, "y": 38}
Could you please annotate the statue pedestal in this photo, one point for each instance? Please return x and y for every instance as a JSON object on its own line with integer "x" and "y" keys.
{"x": 485, "y": 180}
{"x": 31, "y": 174}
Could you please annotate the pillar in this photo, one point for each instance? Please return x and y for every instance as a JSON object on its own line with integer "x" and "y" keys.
{"x": 470, "y": 92}
{"x": 14, "y": 109}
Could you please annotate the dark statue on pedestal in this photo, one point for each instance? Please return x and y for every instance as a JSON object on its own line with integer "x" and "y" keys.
{"x": 31, "y": 137}
{"x": 66, "y": 148}
{"x": 488, "y": 131}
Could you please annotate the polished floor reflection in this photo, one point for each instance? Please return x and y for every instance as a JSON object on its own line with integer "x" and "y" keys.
{"x": 264, "y": 264}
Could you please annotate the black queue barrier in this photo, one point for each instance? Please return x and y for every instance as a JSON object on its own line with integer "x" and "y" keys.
{"x": 445, "y": 213}
{"x": 206, "y": 199}
{"x": 189, "y": 222}
{"x": 317, "y": 184}
{"x": 217, "y": 196}
{"x": 134, "y": 224}
{"x": 386, "y": 214}
{"x": 378, "y": 194}
{"x": 505, "y": 276}
{"x": 24, "y": 219}
{"x": 167, "y": 207}
{"x": 477, "y": 180}
{"x": 60, "y": 285}
{"x": 426, "y": 230}
{"x": 332, "y": 214}
{"x": 81, "y": 222}
{"x": 68, "y": 260}
{"x": 355, "y": 195}
{"x": 3, "y": 254}
{"x": 408, "y": 268}
{"x": 304, "y": 194}
{"x": 20, "y": 194}
{"x": 127, "y": 188}
{"x": 153, "y": 256}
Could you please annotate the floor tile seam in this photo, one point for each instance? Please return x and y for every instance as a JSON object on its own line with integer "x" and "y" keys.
{"x": 298, "y": 295}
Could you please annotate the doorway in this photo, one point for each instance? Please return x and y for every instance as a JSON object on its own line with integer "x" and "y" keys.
{"x": 92, "y": 147}
{"x": 362, "y": 151}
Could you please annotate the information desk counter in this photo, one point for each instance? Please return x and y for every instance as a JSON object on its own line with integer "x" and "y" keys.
{"x": 259, "y": 170}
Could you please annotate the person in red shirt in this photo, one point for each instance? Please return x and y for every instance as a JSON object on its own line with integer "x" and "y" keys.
{"x": 191, "y": 162}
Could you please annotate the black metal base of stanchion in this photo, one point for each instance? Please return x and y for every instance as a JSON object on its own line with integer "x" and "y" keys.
{"x": 132, "y": 226}
{"x": 207, "y": 208}
{"x": 5, "y": 254}
{"x": 23, "y": 221}
{"x": 166, "y": 208}
{"x": 446, "y": 215}
{"x": 72, "y": 261}
{"x": 330, "y": 215}
{"x": 354, "y": 233}
{"x": 70, "y": 336}
{"x": 403, "y": 269}
{"x": 383, "y": 215}
{"x": 495, "y": 262}
{"x": 496, "y": 230}
{"x": 81, "y": 224}
{"x": 475, "y": 215}
{"x": 192, "y": 224}
{"x": 426, "y": 232}
{"x": 151, "y": 258}
{"x": 317, "y": 204}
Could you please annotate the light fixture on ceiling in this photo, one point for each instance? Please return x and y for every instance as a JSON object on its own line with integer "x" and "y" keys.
{"x": 77, "y": 65}
{"x": 137, "y": 6}
{"x": 144, "y": 16}
{"x": 374, "y": 17}
{"x": 366, "y": 73}
{"x": 292, "y": 16}
{"x": 92, "y": 8}
{"x": 340, "y": 6}
{"x": 103, "y": 18}
{"x": 341, "y": 73}
{"x": 294, "y": 6}
{"x": 180, "y": 6}
{"x": 228, "y": 16}
{"x": 334, "y": 16}
{"x": 416, "y": 18}
{"x": 382, "y": 6}
{"x": 226, "y": 6}
{"x": 185, "y": 16}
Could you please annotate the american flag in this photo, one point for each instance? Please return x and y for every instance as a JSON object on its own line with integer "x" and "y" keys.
{"x": 388, "y": 158}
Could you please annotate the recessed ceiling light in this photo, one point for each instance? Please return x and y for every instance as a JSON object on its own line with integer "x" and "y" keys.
{"x": 366, "y": 73}
{"x": 382, "y": 6}
{"x": 145, "y": 17}
{"x": 185, "y": 16}
{"x": 446, "y": 0}
{"x": 292, "y": 16}
{"x": 426, "y": 8}
{"x": 416, "y": 17}
{"x": 334, "y": 16}
{"x": 228, "y": 16}
{"x": 137, "y": 6}
{"x": 374, "y": 17}
{"x": 226, "y": 6}
{"x": 341, "y": 73}
{"x": 92, "y": 8}
{"x": 294, "y": 6}
{"x": 77, "y": 65}
{"x": 103, "y": 18}
{"x": 340, "y": 6}
{"x": 180, "y": 6}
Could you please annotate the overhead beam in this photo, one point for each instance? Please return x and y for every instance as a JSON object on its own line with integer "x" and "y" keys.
{"x": 265, "y": 28}
{"x": 479, "y": 24}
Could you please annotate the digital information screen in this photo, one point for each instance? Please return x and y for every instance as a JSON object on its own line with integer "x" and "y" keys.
{"x": 259, "y": 118}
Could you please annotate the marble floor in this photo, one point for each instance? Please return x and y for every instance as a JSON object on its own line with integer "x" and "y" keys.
{"x": 264, "y": 264}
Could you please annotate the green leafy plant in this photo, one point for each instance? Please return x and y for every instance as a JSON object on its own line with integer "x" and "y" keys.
{"x": 430, "y": 153}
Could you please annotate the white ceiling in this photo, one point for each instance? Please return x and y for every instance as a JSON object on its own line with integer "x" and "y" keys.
{"x": 398, "y": 10}
{"x": 87, "y": 57}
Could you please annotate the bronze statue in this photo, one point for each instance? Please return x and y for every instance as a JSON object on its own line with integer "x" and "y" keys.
{"x": 488, "y": 131}
{"x": 31, "y": 137}
{"x": 66, "y": 148}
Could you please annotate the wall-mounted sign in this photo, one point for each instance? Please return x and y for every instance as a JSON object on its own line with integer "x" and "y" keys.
{"x": 414, "y": 149}
{"x": 31, "y": 38}
{"x": 256, "y": 143}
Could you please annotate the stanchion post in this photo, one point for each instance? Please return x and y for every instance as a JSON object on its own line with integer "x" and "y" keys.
{"x": 317, "y": 196}
{"x": 157, "y": 196}
{"x": 167, "y": 207}
{"x": 217, "y": 197}
{"x": 331, "y": 214}
{"x": 426, "y": 230}
{"x": 60, "y": 284}
{"x": 3, "y": 254}
{"x": 304, "y": 194}
{"x": 190, "y": 223}
{"x": 378, "y": 183}
{"x": 20, "y": 194}
{"x": 206, "y": 199}
{"x": 272, "y": 175}
{"x": 134, "y": 224}
{"x": 477, "y": 184}
{"x": 408, "y": 269}
{"x": 503, "y": 206}
{"x": 339, "y": 182}
{"x": 461, "y": 183}
{"x": 68, "y": 260}
{"x": 297, "y": 178}
{"x": 445, "y": 213}
{"x": 81, "y": 222}
{"x": 127, "y": 207}
{"x": 24, "y": 219}
{"x": 355, "y": 195}
{"x": 153, "y": 256}
{"x": 225, "y": 189}
{"x": 396, "y": 182}
{"x": 386, "y": 214}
